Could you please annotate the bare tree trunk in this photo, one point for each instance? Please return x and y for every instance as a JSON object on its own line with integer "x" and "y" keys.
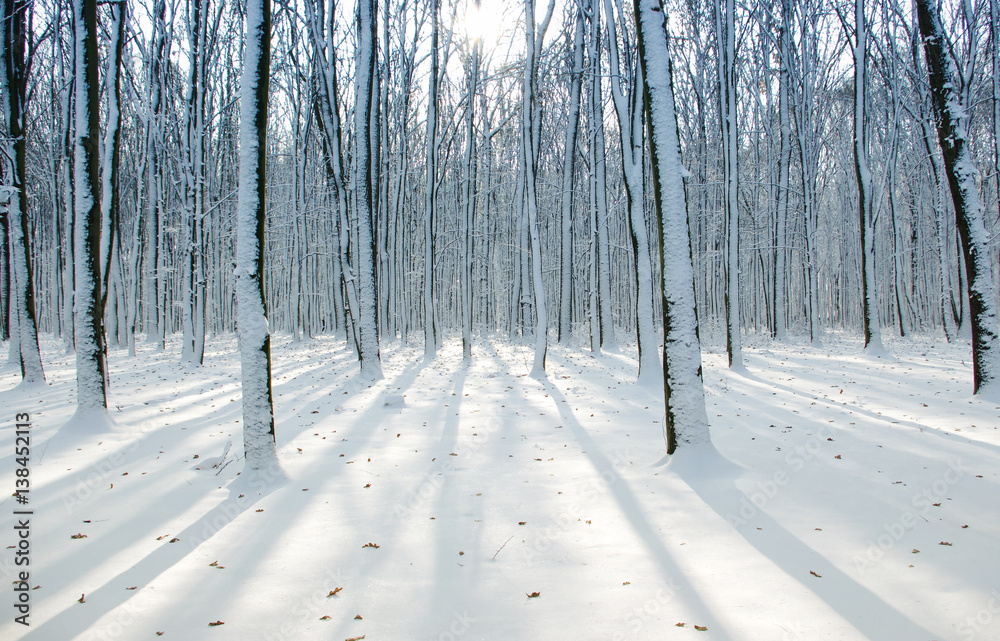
{"x": 684, "y": 393}
{"x": 371, "y": 366}
{"x": 600, "y": 184}
{"x": 862, "y": 169}
{"x": 950, "y": 92}
{"x": 430, "y": 335}
{"x": 109, "y": 171}
{"x": 569, "y": 163}
{"x": 529, "y": 128}
{"x": 16, "y": 16}
{"x": 725, "y": 27}
{"x": 469, "y": 201}
{"x": 629, "y": 109}
{"x": 255, "y": 337}
{"x": 784, "y": 161}
{"x": 89, "y": 307}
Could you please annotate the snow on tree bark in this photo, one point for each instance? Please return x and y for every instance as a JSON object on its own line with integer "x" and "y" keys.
{"x": 88, "y": 306}
{"x": 569, "y": 163}
{"x": 862, "y": 168}
{"x": 371, "y": 366}
{"x": 529, "y": 131}
{"x": 629, "y": 109}
{"x": 254, "y": 334}
{"x": 684, "y": 392}
{"x": 13, "y": 80}
{"x": 953, "y": 118}
{"x": 430, "y": 188}
{"x": 725, "y": 27}
{"x": 780, "y": 312}
{"x": 600, "y": 186}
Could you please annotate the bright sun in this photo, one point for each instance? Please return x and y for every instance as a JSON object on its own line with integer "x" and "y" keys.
{"x": 485, "y": 22}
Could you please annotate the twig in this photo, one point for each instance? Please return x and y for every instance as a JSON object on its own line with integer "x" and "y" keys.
{"x": 501, "y": 547}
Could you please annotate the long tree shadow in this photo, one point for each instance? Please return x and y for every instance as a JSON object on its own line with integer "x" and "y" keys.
{"x": 949, "y": 437}
{"x": 111, "y": 595}
{"x": 854, "y": 602}
{"x": 242, "y": 496}
{"x": 631, "y": 507}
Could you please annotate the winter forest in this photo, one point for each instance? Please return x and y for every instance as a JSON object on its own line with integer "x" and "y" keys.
{"x": 430, "y": 319}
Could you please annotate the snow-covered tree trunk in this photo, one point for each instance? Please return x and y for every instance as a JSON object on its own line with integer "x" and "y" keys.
{"x": 430, "y": 189}
{"x": 255, "y": 338}
{"x": 65, "y": 217}
{"x": 320, "y": 21}
{"x": 569, "y": 164}
{"x": 111, "y": 157}
{"x": 862, "y": 169}
{"x": 809, "y": 131}
{"x": 600, "y": 187}
{"x": 21, "y": 300}
{"x": 995, "y": 65}
{"x": 949, "y": 91}
{"x": 686, "y": 418}
{"x": 88, "y": 307}
{"x": 153, "y": 213}
{"x": 192, "y": 250}
{"x": 469, "y": 201}
{"x": 780, "y": 312}
{"x": 725, "y": 29}
{"x": 629, "y": 109}
{"x": 529, "y": 130}
{"x": 371, "y": 366}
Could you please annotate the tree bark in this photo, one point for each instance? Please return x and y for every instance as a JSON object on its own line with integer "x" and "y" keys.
{"x": 951, "y": 108}
{"x": 371, "y": 366}
{"x": 89, "y": 305}
{"x": 21, "y": 300}
{"x": 684, "y": 393}
{"x": 255, "y": 337}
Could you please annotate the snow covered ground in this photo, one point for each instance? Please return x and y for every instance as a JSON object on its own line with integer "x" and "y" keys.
{"x": 852, "y": 498}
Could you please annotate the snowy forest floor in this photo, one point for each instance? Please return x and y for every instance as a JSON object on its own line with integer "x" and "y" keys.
{"x": 856, "y": 499}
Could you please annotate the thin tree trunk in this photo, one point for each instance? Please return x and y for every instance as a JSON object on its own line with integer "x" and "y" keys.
{"x": 569, "y": 163}
{"x": 726, "y": 37}
{"x": 862, "y": 169}
{"x": 629, "y": 109}
{"x": 430, "y": 189}
{"x": 21, "y": 301}
{"x": 779, "y": 299}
